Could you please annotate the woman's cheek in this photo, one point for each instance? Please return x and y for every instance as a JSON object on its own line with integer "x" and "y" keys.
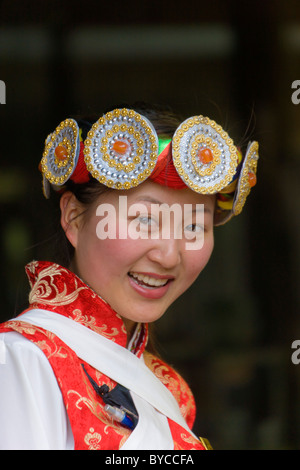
{"x": 198, "y": 259}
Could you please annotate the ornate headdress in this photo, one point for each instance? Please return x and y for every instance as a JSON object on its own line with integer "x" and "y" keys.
{"x": 122, "y": 149}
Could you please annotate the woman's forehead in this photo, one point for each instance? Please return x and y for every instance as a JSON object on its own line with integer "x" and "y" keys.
{"x": 156, "y": 193}
{"x": 151, "y": 195}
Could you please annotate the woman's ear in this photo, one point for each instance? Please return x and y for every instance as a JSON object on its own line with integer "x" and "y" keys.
{"x": 70, "y": 209}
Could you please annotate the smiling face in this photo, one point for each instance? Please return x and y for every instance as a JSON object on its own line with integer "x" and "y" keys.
{"x": 140, "y": 276}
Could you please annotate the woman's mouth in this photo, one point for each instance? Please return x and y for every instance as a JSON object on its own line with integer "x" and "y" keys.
{"x": 148, "y": 281}
{"x": 150, "y": 285}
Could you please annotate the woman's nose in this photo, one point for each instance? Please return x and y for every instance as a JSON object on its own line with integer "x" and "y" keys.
{"x": 166, "y": 252}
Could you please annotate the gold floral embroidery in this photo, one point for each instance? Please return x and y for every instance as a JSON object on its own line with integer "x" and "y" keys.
{"x": 46, "y": 291}
{"x": 162, "y": 372}
{"x": 177, "y": 446}
{"x": 184, "y": 410}
{"x": 20, "y": 327}
{"x": 58, "y": 351}
{"x": 86, "y": 401}
{"x": 90, "y": 322}
{"x": 188, "y": 438}
{"x": 92, "y": 439}
{"x": 49, "y": 348}
{"x": 53, "y": 288}
{"x": 173, "y": 381}
{"x": 32, "y": 267}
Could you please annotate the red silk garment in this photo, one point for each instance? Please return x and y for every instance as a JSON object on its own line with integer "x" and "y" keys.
{"x": 57, "y": 289}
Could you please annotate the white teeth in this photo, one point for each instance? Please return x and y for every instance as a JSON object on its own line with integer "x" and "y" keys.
{"x": 150, "y": 281}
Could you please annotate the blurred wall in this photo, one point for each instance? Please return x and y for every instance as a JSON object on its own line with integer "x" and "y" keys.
{"x": 231, "y": 334}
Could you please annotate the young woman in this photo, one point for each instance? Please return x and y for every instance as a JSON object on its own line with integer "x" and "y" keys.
{"x": 139, "y": 193}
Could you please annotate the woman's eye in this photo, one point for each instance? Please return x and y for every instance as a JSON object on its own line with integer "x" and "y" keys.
{"x": 194, "y": 228}
{"x": 193, "y": 231}
{"x": 147, "y": 223}
{"x": 145, "y": 220}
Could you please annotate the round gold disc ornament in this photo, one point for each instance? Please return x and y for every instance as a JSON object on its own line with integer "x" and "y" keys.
{"x": 60, "y": 154}
{"x": 247, "y": 178}
{"x": 121, "y": 149}
{"x": 204, "y": 156}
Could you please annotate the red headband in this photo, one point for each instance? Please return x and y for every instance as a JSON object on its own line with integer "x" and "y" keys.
{"x": 164, "y": 172}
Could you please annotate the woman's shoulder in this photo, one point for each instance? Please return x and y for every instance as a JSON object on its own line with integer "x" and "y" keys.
{"x": 175, "y": 383}
{"x": 32, "y": 410}
{"x": 17, "y": 345}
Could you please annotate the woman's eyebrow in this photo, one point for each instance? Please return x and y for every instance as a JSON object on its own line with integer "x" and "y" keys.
{"x": 200, "y": 209}
{"x": 151, "y": 199}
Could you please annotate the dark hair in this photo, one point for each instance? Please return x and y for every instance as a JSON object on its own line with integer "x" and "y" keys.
{"x": 165, "y": 122}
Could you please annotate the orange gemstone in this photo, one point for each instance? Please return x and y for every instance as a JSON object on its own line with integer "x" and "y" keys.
{"x": 121, "y": 147}
{"x": 205, "y": 156}
{"x": 252, "y": 179}
{"x": 61, "y": 152}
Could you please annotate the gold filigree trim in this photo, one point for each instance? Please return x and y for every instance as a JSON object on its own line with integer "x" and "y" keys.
{"x": 244, "y": 188}
{"x": 205, "y": 442}
{"x": 65, "y": 134}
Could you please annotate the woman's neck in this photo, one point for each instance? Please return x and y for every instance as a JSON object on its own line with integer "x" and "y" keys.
{"x": 130, "y": 326}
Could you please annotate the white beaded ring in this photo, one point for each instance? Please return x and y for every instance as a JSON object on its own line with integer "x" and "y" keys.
{"x": 121, "y": 149}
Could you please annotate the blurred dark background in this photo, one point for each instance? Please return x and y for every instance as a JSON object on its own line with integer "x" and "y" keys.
{"x": 235, "y": 61}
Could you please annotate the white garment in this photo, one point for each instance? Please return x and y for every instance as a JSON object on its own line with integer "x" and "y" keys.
{"x": 32, "y": 411}
{"x": 153, "y": 400}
